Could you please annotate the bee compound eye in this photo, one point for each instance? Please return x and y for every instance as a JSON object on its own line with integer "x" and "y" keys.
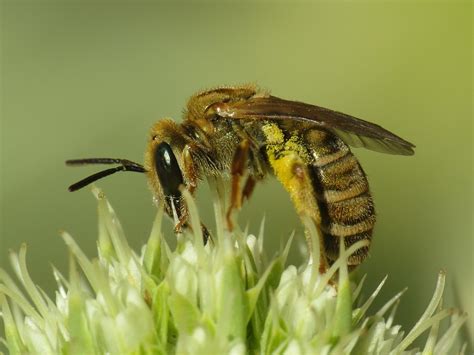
{"x": 168, "y": 171}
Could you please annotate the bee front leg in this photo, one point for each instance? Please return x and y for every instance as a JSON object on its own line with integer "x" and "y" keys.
{"x": 183, "y": 224}
{"x": 189, "y": 167}
{"x": 192, "y": 178}
{"x": 239, "y": 164}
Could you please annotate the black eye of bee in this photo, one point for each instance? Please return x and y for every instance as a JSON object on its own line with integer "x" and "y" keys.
{"x": 168, "y": 170}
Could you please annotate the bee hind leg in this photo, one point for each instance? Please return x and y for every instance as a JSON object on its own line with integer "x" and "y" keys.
{"x": 239, "y": 165}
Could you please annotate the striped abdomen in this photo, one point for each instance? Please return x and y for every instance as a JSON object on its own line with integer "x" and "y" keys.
{"x": 341, "y": 189}
{"x": 326, "y": 183}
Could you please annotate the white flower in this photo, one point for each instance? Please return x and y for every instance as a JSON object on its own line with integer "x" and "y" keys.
{"x": 219, "y": 298}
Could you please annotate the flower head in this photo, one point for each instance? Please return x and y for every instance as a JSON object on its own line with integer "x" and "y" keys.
{"x": 222, "y": 297}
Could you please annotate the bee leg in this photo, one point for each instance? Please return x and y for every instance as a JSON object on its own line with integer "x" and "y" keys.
{"x": 206, "y": 236}
{"x": 323, "y": 262}
{"x": 190, "y": 170}
{"x": 248, "y": 188}
{"x": 183, "y": 224}
{"x": 237, "y": 171}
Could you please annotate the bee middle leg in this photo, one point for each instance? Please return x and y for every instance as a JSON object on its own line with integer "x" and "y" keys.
{"x": 248, "y": 188}
{"x": 239, "y": 165}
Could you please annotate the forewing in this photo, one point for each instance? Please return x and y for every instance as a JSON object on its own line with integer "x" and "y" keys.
{"x": 352, "y": 130}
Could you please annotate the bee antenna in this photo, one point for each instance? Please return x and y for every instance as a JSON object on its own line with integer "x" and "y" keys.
{"x": 125, "y": 165}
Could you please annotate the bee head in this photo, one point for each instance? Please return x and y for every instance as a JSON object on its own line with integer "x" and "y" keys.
{"x": 164, "y": 165}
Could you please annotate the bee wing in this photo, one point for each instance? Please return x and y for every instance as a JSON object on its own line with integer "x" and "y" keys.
{"x": 352, "y": 130}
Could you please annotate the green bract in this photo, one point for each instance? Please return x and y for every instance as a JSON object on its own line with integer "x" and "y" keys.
{"x": 221, "y": 298}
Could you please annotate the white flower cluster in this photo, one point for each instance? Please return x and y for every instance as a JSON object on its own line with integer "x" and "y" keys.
{"x": 201, "y": 299}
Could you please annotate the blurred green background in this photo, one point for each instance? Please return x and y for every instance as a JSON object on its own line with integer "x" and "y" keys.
{"x": 83, "y": 79}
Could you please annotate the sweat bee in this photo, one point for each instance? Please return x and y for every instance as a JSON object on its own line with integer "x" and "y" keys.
{"x": 243, "y": 131}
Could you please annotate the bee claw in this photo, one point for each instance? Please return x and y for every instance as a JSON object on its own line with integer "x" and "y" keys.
{"x": 178, "y": 228}
{"x": 205, "y": 234}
